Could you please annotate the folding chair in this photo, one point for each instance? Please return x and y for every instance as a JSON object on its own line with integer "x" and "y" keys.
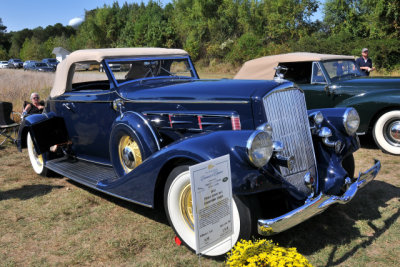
{"x": 8, "y": 126}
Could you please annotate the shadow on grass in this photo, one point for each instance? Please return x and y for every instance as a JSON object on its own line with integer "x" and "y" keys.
{"x": 157, "y": 215}
{"x": 337, "y": 225}
{"x": 27, "y": 191}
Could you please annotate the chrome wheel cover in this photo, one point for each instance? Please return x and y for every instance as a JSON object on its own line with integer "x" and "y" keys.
{"x": 391, "y": 132}
{"x": 129, "y": 153}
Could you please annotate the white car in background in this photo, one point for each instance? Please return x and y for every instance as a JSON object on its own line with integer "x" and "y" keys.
{"x": 3, "y": 64}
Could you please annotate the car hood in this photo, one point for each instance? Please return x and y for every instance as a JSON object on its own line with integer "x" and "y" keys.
{"x": 371, "y": 83}
{"x": 197, "y": 90}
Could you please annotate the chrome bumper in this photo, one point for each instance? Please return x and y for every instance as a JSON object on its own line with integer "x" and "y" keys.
{"x": 314, "y": 206}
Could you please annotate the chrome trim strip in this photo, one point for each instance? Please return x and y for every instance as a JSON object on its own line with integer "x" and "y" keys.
{"x": 96, "y": 162}
{"x": 191, "y": 113}
{"x": 159, "y": 101}
{"x": 181, "y": 122}
{"x": 189, "y": 101}
{"x": 81, "y": 101}
{"x": 69, "y": 93}
{"x": 314, "y": 206}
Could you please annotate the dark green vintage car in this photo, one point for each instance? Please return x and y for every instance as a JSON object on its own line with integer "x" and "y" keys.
{"x": 335, "y": 81}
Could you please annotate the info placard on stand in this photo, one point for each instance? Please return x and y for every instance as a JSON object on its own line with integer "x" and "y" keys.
{"x": 212, "y": 202}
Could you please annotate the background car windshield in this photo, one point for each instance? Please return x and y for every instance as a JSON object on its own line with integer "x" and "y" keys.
{"x": 40, "y": 65}
{"x": 140, "y": 69}
{"x": 338, "y": 69}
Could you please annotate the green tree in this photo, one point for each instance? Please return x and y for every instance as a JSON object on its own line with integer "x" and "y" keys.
{"x": 3, "y": 41}
{"x": 33, "y": 49}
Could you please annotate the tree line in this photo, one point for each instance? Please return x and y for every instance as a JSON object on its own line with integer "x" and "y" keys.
{"x": 231, "y": 31}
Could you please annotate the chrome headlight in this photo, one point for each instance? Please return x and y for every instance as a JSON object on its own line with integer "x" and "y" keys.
{"x": 266, "y": 127}
{"x": 259, "y": 148}
{"x": 351, "y": 121}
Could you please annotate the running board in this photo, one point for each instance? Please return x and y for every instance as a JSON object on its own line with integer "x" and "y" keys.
{"x": 84, "y": 172}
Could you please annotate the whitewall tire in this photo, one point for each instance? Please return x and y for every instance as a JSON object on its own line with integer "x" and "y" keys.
{"x": 37, "y": 161}
{"x": 178, "y": 206}
{"x": 386, "y": 132}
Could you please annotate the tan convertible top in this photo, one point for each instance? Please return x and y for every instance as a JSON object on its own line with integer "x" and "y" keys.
{"x": 263, "y": 68}
{"x": 64, "y": 71}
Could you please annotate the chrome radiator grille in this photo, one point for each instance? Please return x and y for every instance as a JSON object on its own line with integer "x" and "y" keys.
{"x": 287, "y": 113}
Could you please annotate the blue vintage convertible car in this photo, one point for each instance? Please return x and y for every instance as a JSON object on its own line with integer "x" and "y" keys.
{"x": 134, "y": 133}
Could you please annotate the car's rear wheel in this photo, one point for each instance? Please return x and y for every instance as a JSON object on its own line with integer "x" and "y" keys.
{"x": 386, "y": 132}
{"x": 37, "y": 161}
{"x": 178, "y": 207}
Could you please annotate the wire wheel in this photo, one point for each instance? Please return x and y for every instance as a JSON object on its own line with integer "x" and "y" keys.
{"x": 185, "y": 205}
{"x": 129, "y": 153}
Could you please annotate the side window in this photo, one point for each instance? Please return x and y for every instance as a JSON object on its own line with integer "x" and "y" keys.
{"x": 317, "y": 75}
{"x": 298, "y": 72}
{"x": 86, "y": 76}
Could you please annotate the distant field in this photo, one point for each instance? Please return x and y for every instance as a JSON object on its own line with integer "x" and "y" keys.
{"x": 57, "y": 222}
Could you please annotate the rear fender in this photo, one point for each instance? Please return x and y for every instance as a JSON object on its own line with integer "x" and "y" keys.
{"x": 46, "y": 130}
{"x": 26, "y": 125}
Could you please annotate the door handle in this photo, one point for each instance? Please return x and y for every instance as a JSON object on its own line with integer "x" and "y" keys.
{"x": 69, "y": 106}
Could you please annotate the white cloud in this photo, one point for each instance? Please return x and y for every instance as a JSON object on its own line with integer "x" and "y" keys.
{"x": 75, "y": 22}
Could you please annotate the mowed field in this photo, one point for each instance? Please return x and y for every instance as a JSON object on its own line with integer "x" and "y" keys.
{"x": 57, "y": 222}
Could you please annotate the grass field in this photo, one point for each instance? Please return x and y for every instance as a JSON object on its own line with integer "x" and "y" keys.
{"x": 57, "y": 222}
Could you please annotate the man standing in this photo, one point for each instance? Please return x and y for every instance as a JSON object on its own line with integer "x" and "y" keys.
{"x": 364, "y": 63}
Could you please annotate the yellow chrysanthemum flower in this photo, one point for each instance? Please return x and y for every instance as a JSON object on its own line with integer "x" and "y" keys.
{"x": 264, "y": 253}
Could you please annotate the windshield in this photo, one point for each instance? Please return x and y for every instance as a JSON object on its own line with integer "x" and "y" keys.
{"x": 52, "y": 60}
{"x": 137, "y": 69}
{"x": 339, "y": 69}
{"x": 40, "y": 65}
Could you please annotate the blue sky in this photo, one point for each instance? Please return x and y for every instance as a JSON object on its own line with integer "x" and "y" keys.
{"x": 20, "y": 14}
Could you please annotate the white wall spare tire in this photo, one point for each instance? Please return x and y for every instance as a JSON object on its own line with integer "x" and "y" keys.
{"x": 178, "y": 207}
{"x": 386, "y": 132}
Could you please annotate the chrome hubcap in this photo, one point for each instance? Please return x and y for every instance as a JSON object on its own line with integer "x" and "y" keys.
{"x": 128, "y": 158}
{"x": 129, "y": 153}
{"x": 394, "y": 131}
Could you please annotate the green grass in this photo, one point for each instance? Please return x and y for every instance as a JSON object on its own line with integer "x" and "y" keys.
{"x": 54, "y": 221}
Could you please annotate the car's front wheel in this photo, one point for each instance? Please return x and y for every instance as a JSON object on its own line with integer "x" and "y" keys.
{"x": 37, "y": 161}
{"x": 386, "y": 132}
{"x": 178, "y": 207}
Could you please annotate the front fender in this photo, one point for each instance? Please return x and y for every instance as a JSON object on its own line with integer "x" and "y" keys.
{"x": 140, "y": 184}
{"x": 370, "y": 104}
